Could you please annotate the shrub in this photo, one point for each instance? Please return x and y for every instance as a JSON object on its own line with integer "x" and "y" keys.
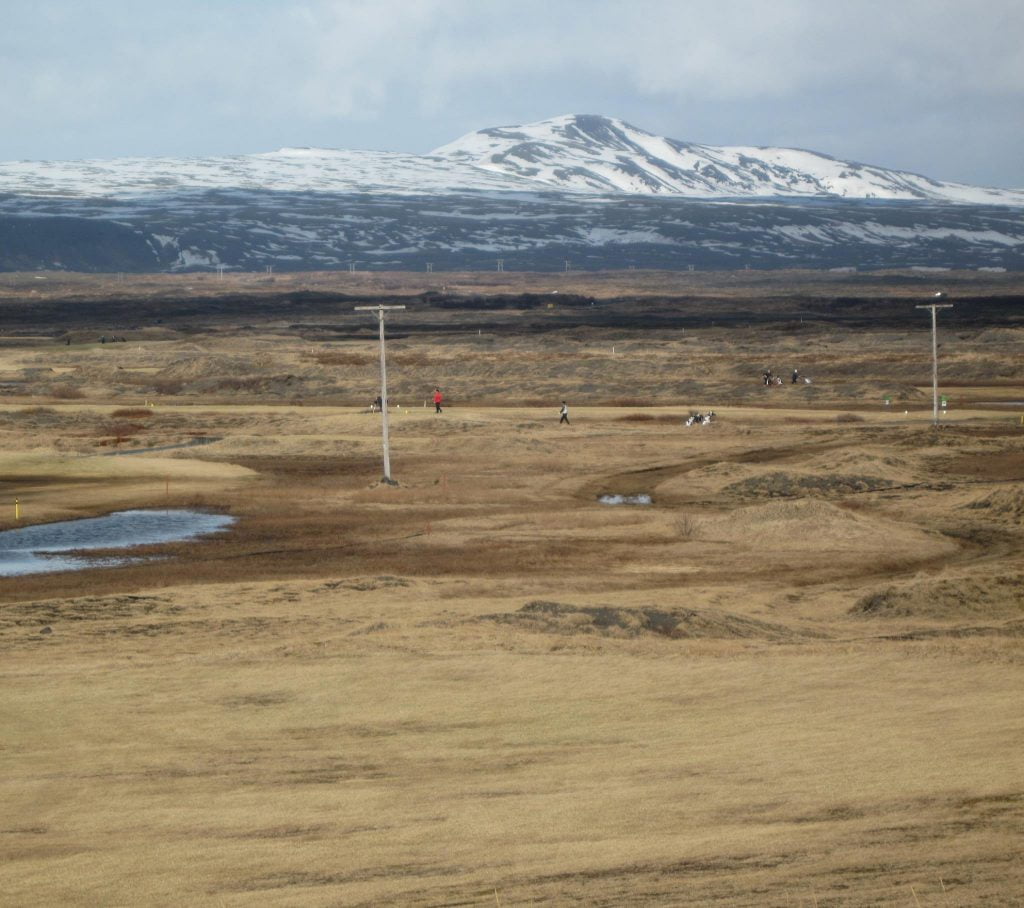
{"x": 167, "y": 386}
{"x": 66, "y": 392}
{"x": 122, "y": 429}
{"x": 132, "y": 413}
{"x": 340, "y": 358}
{"x": 687, "y": 527}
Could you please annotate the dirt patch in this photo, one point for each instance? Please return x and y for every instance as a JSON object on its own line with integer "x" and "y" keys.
{"x": 611, "y": 621}
{"x": 258, "y": 700}
{"x": 1002, "y": 465}
{"x": 662, "y": 418}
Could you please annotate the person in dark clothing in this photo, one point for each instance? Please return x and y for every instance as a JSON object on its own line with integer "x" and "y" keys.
{"x": 564, "y": 414}
{"x": 796, "y": 375}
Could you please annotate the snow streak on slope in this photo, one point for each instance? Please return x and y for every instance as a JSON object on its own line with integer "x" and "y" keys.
{"x": 249, "y": 230}
{"x": 585, "y": 152}
{"x": 290, "y": 169}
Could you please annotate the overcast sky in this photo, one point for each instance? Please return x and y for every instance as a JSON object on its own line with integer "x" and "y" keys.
{"x": 931, "y": 86}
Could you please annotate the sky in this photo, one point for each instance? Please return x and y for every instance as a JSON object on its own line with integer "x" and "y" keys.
{"x": 931, "y": 86}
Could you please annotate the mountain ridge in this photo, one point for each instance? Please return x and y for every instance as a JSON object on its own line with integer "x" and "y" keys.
{"x": 590, "y": 190}
{"x": 573, "y": 153}
{"x": 592, "y": 151}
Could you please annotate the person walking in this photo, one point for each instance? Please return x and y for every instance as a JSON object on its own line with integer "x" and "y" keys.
{"x": 438, "y": 397}
{"x": 564, "y": 414}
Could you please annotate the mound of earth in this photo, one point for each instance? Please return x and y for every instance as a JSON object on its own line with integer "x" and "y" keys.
{"x": 612, "y": 621}
{"x": 1007, "y": 629}
{"x": 1014, "y": 336}
{"x": 903, "y": 393}
{"x": 192, "y": 367}
{"x": 898, "y": 392}
{"x": 814, "y": 526}
{"x": 1003, "y": 503}
{"x": 864, "y": 465}
{"x": 797, "y": 485}
{"x": 986, "y": 597}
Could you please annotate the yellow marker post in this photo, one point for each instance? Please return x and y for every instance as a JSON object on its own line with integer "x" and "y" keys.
{"x": 17, "y": 509}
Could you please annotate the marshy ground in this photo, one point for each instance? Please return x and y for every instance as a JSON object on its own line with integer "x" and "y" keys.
{"x": 794, "y": 678}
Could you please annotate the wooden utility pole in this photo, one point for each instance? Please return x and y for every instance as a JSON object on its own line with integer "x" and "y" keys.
{"x": 935, "y": 353}
{"x": 380, "y": 310}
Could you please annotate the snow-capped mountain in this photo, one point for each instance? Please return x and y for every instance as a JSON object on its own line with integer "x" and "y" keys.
{"x": 573, "y": 153}
{"x": 601, "y": 154}
{"x": 587, "y": 189}
{"x": 286, "y": 170}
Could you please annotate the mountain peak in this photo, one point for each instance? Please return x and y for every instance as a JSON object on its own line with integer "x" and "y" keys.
{"x": 596, "y": 153}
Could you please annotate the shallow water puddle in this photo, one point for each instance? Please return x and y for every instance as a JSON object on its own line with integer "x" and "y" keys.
{"x": 625, "y": 499}
{"x": 38, "y": 549}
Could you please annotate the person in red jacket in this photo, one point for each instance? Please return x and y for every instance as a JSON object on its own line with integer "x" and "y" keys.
{"x": 437, "y": 400}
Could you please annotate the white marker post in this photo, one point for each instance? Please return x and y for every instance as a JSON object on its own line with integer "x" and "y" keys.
{"x": 935, "y": 354}
{"x": 380, "y": 310}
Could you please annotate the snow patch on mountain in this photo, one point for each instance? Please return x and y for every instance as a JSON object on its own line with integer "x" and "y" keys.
{"x": 603, "y": 154}
{"x": 288, "y": 170}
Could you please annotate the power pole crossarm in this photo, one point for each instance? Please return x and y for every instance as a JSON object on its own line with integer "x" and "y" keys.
{"x": 380, "y": 310}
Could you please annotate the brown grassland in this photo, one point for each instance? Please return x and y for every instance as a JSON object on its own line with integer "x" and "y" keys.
{"x": 795, "y": 678}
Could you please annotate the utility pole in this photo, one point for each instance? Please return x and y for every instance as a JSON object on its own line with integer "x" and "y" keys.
{"x": 935, "y": 353}
{"x": 380, "y": 310}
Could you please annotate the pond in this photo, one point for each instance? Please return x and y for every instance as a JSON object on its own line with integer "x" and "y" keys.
{"x": 40, "y": 548}
{"x": 625, "y": 499}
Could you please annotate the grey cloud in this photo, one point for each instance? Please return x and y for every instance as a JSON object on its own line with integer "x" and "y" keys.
{"x": 931, "y": 85}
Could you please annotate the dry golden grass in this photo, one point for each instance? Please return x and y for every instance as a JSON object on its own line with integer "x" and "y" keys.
{"x": 794, "y": 678}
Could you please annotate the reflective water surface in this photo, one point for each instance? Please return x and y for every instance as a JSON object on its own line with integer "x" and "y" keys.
{"x": 625, "y": 499}
{"x": 37, "y": 549}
